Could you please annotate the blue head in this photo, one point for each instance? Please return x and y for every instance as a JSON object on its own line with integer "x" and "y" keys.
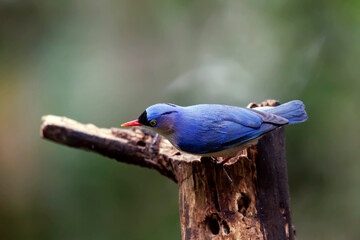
{"x": 159, "y": 118}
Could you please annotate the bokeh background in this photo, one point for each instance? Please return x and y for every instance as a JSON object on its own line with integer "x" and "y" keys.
{"x": 105, "y": 61}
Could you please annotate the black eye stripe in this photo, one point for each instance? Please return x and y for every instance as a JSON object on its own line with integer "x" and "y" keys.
{"x": 169, "y": 112}
{"x": 143, "y": 118}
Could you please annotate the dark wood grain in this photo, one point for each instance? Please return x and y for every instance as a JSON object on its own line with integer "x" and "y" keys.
{"x": 273, "y": 198}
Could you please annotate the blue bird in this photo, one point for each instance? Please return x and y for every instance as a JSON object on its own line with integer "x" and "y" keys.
{"x": 217, "y": 130}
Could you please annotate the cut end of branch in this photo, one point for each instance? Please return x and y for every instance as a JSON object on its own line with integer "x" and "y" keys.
{"x": 48, "y": 120}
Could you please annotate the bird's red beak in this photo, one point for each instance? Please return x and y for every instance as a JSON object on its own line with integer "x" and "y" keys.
{"x": 131, "y": 123}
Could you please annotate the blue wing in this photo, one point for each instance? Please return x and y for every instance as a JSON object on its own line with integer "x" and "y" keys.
{"x": 212, "y": 128}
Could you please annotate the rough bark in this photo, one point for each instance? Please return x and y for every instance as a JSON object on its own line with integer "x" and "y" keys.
{"x": 254, "y": 206}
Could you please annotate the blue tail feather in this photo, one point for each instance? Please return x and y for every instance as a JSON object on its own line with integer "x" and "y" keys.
{"x": 294, "y": 111}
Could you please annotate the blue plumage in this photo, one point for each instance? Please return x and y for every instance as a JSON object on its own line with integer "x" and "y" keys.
{"x": 294, "y": 111}
{"x": 217, "y": 130}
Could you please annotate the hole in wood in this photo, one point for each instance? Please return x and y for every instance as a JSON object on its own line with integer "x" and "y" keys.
{"x": 243, "y": 203}
{"x": 226, "y": 228}
{"x": 282, "y": 208}
{"x": 141, "y": 143}
{"x": 213, "y": 224}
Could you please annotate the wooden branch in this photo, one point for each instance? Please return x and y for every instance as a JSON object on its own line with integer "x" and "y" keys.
{"x": 256, "y": 205}
{"x": 133, "y": 146}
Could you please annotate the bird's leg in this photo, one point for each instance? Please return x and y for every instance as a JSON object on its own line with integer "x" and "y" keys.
{"x": 213, "y": 160}
{"x": 236, "y": 157}
{"x": 227, "y": 175}
{"x": 153, "y": 149}
{"x": 220, "y": 164}
{"x": 155, "y": 145}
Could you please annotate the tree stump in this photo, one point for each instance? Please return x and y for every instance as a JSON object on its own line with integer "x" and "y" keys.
{"x": 256, "y": 205}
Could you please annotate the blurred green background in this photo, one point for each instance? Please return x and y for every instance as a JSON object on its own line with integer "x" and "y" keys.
{"x": 105, "y": 61}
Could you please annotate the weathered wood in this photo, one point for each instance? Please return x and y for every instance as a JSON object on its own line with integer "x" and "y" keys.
{"x": 273, "y": 197}
{"x": 213, "y": 208}
{"x": 254, "y": 206}
{"x": 133, "y": 146}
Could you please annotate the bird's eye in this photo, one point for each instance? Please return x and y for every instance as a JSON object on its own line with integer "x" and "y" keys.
{"x": 152, "y": 123}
